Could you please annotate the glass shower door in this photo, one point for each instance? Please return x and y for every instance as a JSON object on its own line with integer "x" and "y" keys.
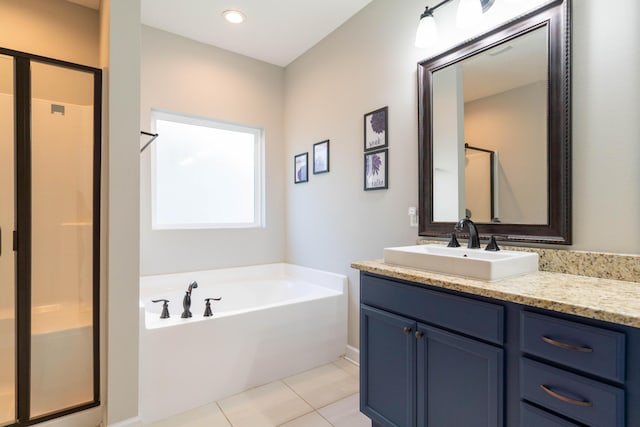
{"x": 7, "y": 257}
{"x": 62, "y": 255}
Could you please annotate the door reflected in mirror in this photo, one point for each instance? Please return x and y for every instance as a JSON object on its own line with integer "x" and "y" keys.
{"x": 494, "y": 102}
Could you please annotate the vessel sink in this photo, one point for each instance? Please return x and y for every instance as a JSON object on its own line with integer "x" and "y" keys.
{"x": 464, "y": 262}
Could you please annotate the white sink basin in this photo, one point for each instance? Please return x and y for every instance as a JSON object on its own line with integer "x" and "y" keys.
{"x": 472, "y": 263}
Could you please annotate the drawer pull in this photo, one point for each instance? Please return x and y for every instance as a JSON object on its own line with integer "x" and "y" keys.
{"x": 566, "y": 399}
{"x": 406, "y": 330}
{"x": 582, "y": 349}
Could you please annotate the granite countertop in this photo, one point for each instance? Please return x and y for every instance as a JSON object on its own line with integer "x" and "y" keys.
{"x": 614, "y": 301}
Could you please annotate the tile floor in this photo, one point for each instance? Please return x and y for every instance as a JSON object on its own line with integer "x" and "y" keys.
{"x": 322, "y": 397}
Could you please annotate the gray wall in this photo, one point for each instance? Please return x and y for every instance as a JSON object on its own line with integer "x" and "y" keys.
{"x": 183, "y": 76}
{"x": 370, "y": 62}
{"x": 123, "y": 72}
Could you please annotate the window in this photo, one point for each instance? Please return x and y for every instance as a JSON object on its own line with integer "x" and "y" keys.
{"x": 205, "y": 173}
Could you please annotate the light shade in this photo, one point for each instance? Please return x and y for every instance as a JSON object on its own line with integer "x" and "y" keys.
{"x": 469, "y": 13}
{"x": 427, "y": 32}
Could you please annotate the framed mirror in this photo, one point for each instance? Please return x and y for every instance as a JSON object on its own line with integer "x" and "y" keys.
{"x": 495, "y": 131}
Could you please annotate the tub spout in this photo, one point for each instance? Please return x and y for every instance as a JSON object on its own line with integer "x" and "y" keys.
{"x": 186, "y": 302}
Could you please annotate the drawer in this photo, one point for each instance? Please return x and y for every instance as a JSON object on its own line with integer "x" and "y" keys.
{"x": 586, "y": 348}
{"x": 530, "y": 416}
{"x": 466, "y": 315}
{"x": 584, "y": 400}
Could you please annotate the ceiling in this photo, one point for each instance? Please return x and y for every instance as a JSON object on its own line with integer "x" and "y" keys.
{"x": 515, "y": 63}
{"x": 275, "y": 31}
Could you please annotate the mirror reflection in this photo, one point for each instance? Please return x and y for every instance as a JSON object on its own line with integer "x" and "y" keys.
{"x": 490, "y": 137}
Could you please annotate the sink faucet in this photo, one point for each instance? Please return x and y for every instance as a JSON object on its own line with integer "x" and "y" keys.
{"x": 474, "y": 240}
{"x": 186, "y": 302}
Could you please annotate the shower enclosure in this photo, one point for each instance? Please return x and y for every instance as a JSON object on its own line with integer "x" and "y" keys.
{"x": 50, "y": 123}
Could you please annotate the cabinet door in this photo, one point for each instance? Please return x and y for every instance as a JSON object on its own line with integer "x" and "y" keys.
{"x": 387, "y": 368}
{"x": 460, "y": 380}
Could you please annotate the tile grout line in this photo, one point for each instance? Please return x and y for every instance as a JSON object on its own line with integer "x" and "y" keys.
{"x": 310, "y": 405}
{"x": 223, "y": 413}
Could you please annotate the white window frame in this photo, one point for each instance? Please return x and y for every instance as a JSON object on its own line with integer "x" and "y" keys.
{"x": 258, "y": 161}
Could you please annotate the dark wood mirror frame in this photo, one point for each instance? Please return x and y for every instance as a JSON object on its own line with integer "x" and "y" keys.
{"x": 556, "y": 15}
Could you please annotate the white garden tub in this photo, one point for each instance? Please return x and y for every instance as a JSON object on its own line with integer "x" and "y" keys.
{"x": 273, "y": 321}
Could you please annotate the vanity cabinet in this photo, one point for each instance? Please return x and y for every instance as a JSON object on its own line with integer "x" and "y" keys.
{"x": 432, "y": 358}
{"x": 417, "y": 370}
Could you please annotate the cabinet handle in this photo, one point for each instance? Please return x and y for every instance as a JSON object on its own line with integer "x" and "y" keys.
{"x": 566, "y": 399}
{"x": 419, "y": 334}
{"x": 407, "y": 330}
{"x": 582, "y": 349}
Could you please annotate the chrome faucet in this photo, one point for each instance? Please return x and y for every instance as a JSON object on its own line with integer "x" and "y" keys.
{"x": 186, "y": 302}
{"x": 474, "y": 240}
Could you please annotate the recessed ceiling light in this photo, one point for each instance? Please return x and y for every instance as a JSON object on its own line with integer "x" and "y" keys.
{"x": 233, "y": 16}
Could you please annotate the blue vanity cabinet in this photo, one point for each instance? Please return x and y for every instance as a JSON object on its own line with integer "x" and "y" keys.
{"x": 432, "y": 357}
{"x": 416, "y": 370}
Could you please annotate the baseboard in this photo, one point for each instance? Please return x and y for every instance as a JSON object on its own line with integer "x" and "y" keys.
{"x": 352, "y": 354}
{"x": 131, "y": 422}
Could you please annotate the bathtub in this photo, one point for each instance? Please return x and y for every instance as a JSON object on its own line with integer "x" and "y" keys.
{"x": 273, "y": 321}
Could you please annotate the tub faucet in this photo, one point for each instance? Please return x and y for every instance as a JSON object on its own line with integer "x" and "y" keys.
{"x": 186, "y": 302}
{"x": 474, "y": 240}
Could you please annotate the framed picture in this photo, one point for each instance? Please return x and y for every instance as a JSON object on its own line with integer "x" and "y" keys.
{"x": 375, "y": 129}
{"x": 375, "y": 170}
{"x": 301, "y": 168}
{"x": 321, "y": 157}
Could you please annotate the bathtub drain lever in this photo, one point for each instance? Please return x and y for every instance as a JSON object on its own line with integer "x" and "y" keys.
{"x": 165, "y": 307}
{"x": 207, "y": 309}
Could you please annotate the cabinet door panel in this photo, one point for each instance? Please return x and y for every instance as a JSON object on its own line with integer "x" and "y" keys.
{"x": 460, "y": 381}
{"x": 387, "y": 368}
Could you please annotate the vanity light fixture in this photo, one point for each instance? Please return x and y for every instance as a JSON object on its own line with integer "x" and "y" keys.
{"x": 469, "y": 12}
{"x": 233, "y": 16}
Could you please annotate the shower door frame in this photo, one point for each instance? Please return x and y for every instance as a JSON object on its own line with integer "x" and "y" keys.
{"x": 22, "y": 232}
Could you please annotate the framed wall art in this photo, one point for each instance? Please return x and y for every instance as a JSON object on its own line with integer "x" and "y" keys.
{"x": 376, "y": 176}
{"x": 321, "y": 157}
{"x": 375, "y": 129}
{"x": 301, "y": 168}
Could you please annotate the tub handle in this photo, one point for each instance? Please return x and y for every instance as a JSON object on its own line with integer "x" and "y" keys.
{"x": 165, "y": 307}
{"x": 207, "y": 309}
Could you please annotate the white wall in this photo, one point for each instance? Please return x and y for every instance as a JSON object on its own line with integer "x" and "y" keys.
{"x": 606, "y": 129}
{"x": 123, "y": 221}
{"x": 183, "y": 76}
{"x": 370, "y": 62}
{"x": 366, "y": 64}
